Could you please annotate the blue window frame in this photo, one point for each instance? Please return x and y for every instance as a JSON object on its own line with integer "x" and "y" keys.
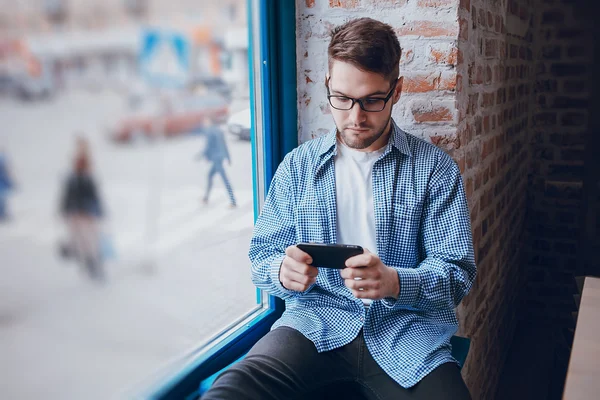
{"x": 272, "y": 55}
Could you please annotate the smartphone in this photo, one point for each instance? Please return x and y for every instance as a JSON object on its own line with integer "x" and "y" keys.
{"x": 330, "y": 255}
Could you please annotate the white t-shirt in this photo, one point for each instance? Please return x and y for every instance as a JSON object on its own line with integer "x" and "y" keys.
{"x": 354, "y": 197}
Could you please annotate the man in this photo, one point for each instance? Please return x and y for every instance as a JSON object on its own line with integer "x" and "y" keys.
{"x": 216, "y": 152}
{"x": 384, "y": 323}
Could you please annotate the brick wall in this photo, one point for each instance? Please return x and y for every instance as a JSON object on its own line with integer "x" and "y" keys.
{"x": 563, "y": 77}
{"x": 494, "y": 103}
{"x": 562, "y": 95}
{"x": 428, "y": 30}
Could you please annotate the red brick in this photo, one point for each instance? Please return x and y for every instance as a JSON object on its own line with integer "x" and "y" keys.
{"x": 395, "y": 3}
{"x": 448, "y": 83}
{"x": 443, "y": 57}
{"x": 481, "y": 18}
{"x": 465, "y": 4}
{"x": 437, "y": 114}
{"x": 428, "y": 29}
{"x": 473, "y": 104}
{"x": 486, "y": 124}
{"x": 491, "y": 48}
{"x": 488, "y": 99}
{"x": 498, "y": 24}
{"x": 488, "y": 75}
{"x": 487, "y": 149}
{"x": 493, "y": 167}
{"x": 407, "y": 56}
{"x": 435, "y": 3}
{"x": 463, "y": 25}
{"x": 477, "y": 183}
{"x": 461, "y": 163}
{"x": 474, "y": 212}
{"x": 310, "y": 3}
{"x": 479, "y": 75}
{"x": 469, "y": 187}
{"x": 422, "y": 83}
{"x": 447, "y": 142}
{"x": 465, "y": 134}
{"x": 343, "y": 3}
{"x": 472, "y": 158}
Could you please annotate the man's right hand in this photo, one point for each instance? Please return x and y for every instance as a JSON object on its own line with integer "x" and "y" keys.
{"x": 295, "y": 272}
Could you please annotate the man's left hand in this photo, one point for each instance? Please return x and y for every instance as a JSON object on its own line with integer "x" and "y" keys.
{"x": 376, "y": 280}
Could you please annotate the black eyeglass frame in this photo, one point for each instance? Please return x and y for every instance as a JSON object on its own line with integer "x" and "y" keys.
{"x": 360, "y": 101}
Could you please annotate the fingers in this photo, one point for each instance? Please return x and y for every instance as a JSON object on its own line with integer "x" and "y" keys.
{"x": 292, "y": 279}
{"x": 362, "y": 284}
{"x": 361, "y": 272}
{"x": 364, "y": 289}
{"x": 299, "y": 267}
{"x": 298, "y": 255}
{"x": 295, "y": 273}
{"x": 366, "y": 259}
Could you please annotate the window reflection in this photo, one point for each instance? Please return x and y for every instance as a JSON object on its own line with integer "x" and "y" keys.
{"x": 126, "y": 194}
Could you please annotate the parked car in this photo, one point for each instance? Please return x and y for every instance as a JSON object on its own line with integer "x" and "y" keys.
{"x": 171, "y": 117}
{"x": 211, "y": 85}
{"x": 239, "y": 124}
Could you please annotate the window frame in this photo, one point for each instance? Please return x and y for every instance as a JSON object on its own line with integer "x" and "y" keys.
{"x": 272, "y": 67}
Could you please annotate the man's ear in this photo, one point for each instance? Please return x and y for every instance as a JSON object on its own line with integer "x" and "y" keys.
{"x": 398, "y": 89}
{"x": 326, "y": 79}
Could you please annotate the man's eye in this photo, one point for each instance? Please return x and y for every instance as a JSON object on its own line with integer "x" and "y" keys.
{"x": 371, "y": 101}
{"x": 343, "y": 99}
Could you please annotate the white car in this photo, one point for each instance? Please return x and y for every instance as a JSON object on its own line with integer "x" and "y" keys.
{"x": 239, "y": 124}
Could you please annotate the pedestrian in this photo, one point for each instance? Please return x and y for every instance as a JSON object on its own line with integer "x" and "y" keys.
{"x": 383, "y": 324}
{"x": 6, "y": 185}
{"x": 216, "y": 152}
{"x": 82, "y": 210}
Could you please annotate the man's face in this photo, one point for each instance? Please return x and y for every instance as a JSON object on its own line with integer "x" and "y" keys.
{"x": 359, "y": 129}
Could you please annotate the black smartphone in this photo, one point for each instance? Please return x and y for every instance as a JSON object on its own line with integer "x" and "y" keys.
{"x": 330, "y": 255}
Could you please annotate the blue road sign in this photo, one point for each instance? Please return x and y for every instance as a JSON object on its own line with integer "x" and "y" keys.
{"x": 164, "y": 58}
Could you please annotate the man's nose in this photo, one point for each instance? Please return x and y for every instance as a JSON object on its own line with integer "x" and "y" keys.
{"x": 357, "y": 115}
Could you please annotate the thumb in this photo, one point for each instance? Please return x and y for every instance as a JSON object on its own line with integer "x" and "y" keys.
{"x": 366, "y": 251}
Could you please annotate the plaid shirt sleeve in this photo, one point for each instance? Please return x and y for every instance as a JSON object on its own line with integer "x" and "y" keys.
{"x": 447, "y": 273}
{"x": 274, "y": 231}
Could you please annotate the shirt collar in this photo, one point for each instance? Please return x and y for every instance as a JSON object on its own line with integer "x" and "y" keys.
{"x": 398, "y": 140}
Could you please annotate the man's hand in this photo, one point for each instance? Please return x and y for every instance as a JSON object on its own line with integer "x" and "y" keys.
{"x": 295, "y": 273}
{"x": 376, "y": 280}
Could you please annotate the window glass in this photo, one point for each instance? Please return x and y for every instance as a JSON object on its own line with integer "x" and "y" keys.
{"x": 126, "y": 189}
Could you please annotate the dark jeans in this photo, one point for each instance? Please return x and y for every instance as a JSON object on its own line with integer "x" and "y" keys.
{"x": 217, "y": 168}
{"x": 286, "y": 365}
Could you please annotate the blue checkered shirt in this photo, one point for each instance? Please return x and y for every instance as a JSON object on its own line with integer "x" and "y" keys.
{"x": 423, "y": 230}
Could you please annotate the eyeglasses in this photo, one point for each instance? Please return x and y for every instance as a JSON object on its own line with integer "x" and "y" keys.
{"x": 368, "y": 104}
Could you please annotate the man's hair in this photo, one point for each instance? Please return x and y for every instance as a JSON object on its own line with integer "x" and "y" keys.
{"x": 368, "y": 44}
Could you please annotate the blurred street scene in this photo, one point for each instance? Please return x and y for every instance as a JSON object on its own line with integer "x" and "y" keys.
{"x": 113, "y": 258}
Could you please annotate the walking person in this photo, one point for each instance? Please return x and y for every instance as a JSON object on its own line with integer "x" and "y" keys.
{"x": 216, "y": 152}
{"x": 82, "y": 210}
{"x": 6, "y": 185}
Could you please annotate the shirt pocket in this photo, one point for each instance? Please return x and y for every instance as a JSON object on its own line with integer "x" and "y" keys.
{"x": 406, "y": 225}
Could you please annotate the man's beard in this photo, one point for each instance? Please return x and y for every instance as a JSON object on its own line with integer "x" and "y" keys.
{"x": 353, "y": 142}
